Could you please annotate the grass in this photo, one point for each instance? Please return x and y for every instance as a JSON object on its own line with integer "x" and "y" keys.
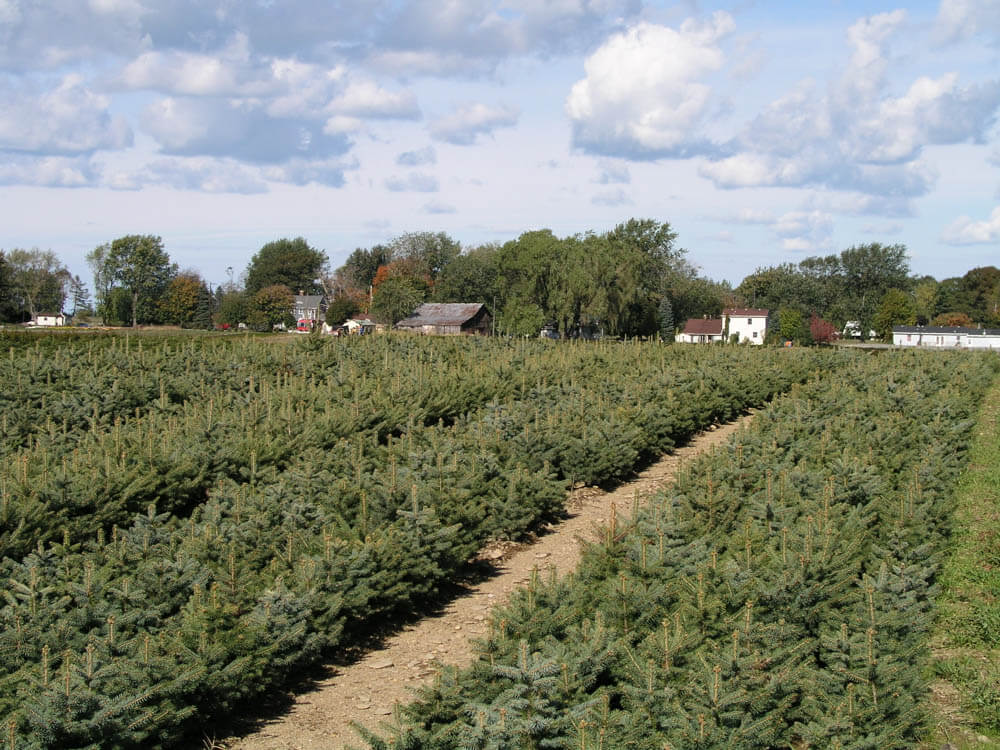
{"x": 966, "y": 673}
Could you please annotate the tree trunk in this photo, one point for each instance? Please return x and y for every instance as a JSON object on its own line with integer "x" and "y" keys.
{"x": 135, "y": 307}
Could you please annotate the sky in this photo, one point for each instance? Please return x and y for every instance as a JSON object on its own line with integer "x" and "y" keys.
{"x": 763, "y": 132}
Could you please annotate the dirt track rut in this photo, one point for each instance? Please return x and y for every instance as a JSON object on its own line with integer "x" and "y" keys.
{"x": 366, "y": 691}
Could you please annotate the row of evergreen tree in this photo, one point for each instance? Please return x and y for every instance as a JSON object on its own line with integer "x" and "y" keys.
{"x": 779, "y": 595}
{"x": 279, "y": 532}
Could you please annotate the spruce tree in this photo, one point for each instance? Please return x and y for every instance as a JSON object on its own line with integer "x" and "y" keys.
{"x": 666, "y": 320}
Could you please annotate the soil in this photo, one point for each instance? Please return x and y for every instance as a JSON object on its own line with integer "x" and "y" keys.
{"x": 366, "y": 690}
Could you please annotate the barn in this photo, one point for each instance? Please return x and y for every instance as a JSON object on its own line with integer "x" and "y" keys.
{"x": 448, "y": 319}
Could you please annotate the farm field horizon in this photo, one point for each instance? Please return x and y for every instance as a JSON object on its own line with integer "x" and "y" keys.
{"x": 188, "y": 522}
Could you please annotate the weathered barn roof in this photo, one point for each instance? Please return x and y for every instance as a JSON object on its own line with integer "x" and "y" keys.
{"x": 745, "y": 312}
{"x": 442, "y": 314}
{"x": 703, "y": 326}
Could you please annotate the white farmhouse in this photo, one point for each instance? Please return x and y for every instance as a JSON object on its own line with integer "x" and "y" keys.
{"x": 748, "y": 323}
{"x": 50, "y": 319}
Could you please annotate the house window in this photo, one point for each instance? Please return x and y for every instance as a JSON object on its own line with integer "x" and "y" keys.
{"x": 909, "y": 337}
{"x": 755, "y": 334}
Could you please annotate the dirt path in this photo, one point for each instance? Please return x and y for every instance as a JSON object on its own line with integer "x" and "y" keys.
{"x": 367, "y": 690}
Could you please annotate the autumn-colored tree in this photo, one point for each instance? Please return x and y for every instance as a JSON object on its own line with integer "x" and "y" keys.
{"x": 180, "y": 301}
{"x": 953, "y": 319}
{"x": 822, "y": 331}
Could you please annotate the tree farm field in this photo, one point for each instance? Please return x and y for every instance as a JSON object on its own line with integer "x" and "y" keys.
{"x": 191, "y": 523}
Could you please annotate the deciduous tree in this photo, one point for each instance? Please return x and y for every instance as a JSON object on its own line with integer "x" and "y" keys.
{"x": 340, "y": 309}
{"x": 181, "y": 298}
{"x": 37, "y": 281}
{"x": 897, "y": 308}
{"x": 271, "y": 306}
{"x": 140, "y": 265}
{"x": 430, "y": 252}
{"x": 292, "y": 263}
{"x": 953, "y": 319}
{"x": 396, "y": 298}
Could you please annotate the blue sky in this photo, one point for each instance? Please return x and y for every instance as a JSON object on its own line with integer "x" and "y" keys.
{"x": 763, "y": 132}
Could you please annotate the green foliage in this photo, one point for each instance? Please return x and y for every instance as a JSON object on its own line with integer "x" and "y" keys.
{"x": 291, "y": 263}
{"x": 396, "y": 298}
{"x": 340, "y": 309}
{"x": 139, "y": 265}
{"x": 233, "y": 308}
{"x": 429, "y": 253}
{"x": 181, "y": 299}
{"x": 667, "y": 326}
{"x": 470, "y": 277}
{"x": 848, "y": 286}
{"x": 897, "y": 308}
{"x": 187, "y": 523}
{"x": 36, "y": 282}
{"x": 610, "y": 282}
{"x": 793, "y": 327}
{"x": 778, "y": 595}
{"x": 358, "y": 271}
{"x": 269, "y": 307}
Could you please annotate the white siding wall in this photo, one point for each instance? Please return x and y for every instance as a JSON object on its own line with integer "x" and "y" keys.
{"x": 750, "y": 328}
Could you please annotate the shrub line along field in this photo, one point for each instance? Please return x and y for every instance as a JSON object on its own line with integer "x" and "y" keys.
{"x": 779, "y": 595}
{"x": 185, "y": 525}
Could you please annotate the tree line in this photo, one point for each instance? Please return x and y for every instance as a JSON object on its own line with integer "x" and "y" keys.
{"x": 634, "y": 280}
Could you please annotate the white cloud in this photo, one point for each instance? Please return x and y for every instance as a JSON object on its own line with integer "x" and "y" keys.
{"x": 47, "y": 171}
{"x": 304, "y": 171}
{"x": 799, "y": 231}
{"x": 960, "y": 19}
{"x": 613, "y": 173}
{"x": 464, "y": 126}
{"x": 643, "y": 95}
{"x": 417, "y": 158}
{"x": 368, "y": 99}
{"x": 933, "y": 111}
{"x": 424, "y": 62}
{"x": 611, "y": 198}
{"x": 233, "y": 71}
{"x": 439, "y": 207}
{"x": 68, "y": 119}
{"x": 415, "y": 182}
{"x": 236, "y": 128}
{"x": 966, "y": 231}
{"x": 857, "y": 137}
{"x": 343, "y": 125}
{"x": 10, "y": 12}
{"x": 865, "y": 73}
{"x": 205, "y": 175}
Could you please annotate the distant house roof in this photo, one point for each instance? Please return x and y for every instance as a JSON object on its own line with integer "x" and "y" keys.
{"x": 442, "y": 314}
{"x": 308, "y": 301}
{"x": 745, "y": 312}
{"x": 703, "y": 327}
